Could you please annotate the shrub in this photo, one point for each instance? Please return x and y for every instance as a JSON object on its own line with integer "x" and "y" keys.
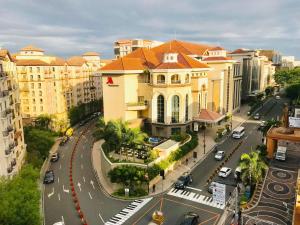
{"x": 138, "y": 192}
{"x": 179, "y": 137}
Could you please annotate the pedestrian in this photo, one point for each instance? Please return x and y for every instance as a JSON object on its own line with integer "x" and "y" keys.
{"x": 153, "y": 188}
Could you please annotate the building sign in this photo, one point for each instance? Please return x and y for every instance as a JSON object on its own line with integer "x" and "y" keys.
{"x": 109, "y": 80}
{"x": 219, "y": 193}
{"x": 294, "y": 122}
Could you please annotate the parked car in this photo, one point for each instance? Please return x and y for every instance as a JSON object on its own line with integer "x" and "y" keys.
{"x": 277, "y": 97}
{"x": 220, "y": 155}
{"x": 49, "y": 177}
{"x": 190, "y": 218}
{"x": 225, "y": 172}
{"x": 183, "y": 181}
{"x": 54, "y": 157}
{"x": 256, "y": 116}
{"x": 64, "y": 140}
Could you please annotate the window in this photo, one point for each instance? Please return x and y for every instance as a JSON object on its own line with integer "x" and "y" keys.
{"x": 175, "y": 109}
{"x": 53, "y": 69}
{"x": 41, "y": 108}
{"x": 161, "y": 79}
{"x": 38, "y": 69}
{"x": 160, "y": 109}
{"x": 33, "y": 101}
{"x": 40, "y": 93}
{"x": 41, "y": 100}
{"x": 39, "y": 85}
{"x": 32, "y": 85}
{"x": 175, "y": 79}
{"x": 31, "y": 77}
{"x": 30, "y": 69}
{"x": 39, "y": 77}
{"x": 187, "y": 78}
{"x": 33, "y": 93}
{"x": 186, "y": 107}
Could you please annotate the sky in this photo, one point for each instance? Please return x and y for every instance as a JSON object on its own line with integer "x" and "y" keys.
{"x": 72, "y": 27}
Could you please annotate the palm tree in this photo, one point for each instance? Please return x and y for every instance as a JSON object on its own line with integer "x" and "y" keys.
{"x": 253, "y": 168}
{"x": 268, "y": 124}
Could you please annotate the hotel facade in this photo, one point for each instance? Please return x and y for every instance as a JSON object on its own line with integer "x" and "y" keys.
{"x": 13, "y": 148}
{"x": 51, "y": 85}
{"x": 171, "y": 86}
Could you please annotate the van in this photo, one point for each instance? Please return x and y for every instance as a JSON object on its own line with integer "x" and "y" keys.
{"x": 281, "y": 153}
{"x": 238, "y": 132}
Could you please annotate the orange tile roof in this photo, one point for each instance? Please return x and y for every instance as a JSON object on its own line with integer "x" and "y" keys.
{"x": 58, "y": 62}
{"x": 76, "y": 61}
{"x": 216, "y": 48}
{"x": 31, "y": 62}
{"x": 240, "y": 50}
{"x": 208, "y": 116}
{"x": 91, "y": 54}
{"x": 32, "y": 48}
{"x": 187, "y": 48}
{"x": 217, "y": 58}
{"x": 144, "y": 58}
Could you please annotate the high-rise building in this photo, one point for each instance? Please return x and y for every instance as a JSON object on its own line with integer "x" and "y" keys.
{"x": 51, "y": 85}
{"x": 13, "y": 149}
{"x": 126, "y": 46}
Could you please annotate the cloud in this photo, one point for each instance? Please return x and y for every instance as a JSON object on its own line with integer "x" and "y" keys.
{"x": 71, "y": 27}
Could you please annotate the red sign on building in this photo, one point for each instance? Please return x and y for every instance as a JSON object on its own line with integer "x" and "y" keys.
{"x": 109, "y": 80}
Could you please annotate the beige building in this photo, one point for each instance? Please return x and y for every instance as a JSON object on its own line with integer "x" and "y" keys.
{"x": 51, "y": 85}
{"x": 12, "y": 144}
{"x": 169, "y": 86}
{"x": 126, "y": 46}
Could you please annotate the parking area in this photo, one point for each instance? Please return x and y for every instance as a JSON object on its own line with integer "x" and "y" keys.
{"x": 170, "y": 205}
{"x": 277, "y": 200}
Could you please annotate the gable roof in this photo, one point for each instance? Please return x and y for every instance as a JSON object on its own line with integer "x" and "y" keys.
{"x": 217, "y": 48}
{"x": 76, "y": 61}
{"x": 144, "y": 58}
{"x": 184, "y": 47}
{"x": 31, "y": 62}
{"x": 32, "y": 48}
{"x": 240, "y": 51}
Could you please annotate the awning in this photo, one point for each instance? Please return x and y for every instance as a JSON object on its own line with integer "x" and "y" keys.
{"x": 207, "y": 116}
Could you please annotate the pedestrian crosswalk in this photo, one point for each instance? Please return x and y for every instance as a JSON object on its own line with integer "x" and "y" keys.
{"x": 127, "y": 212}
{"x": 195, "y": 197}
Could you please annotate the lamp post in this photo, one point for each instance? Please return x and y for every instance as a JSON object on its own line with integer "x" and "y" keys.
{"x": 204, "y": 143}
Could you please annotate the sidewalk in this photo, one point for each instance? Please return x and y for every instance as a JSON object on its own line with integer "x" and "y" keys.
{"x": 210, "y": 134}
{"x": 181, "y": 167}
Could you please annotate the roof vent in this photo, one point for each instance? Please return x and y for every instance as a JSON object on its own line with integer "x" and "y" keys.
{"x": 170, "y": 58}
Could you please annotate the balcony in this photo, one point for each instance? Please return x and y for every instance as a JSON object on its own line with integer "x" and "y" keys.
{"x": 5, "y": 133}
{"x": 8, "y": 111}
{"x": 136, "y": 106}
{"x": 13, "y": 162}
{"x": 10, "y": 169}
{"x": 10, "y": 129}
{"x": 7, "y": 152}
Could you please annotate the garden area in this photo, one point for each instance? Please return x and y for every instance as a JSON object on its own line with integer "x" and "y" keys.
{"x": 125, "y": 144}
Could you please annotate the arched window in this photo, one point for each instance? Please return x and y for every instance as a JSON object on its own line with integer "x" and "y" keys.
{"x": 187, "y": 78}
{"x": 186, "y": 108}
{"x": 175, "y": 109}
{"x": 175, "y": 79}
{"x": 160, "y": 109}
{"x": 161, "y": 79}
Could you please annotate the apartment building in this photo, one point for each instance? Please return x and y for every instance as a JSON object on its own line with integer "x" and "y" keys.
{"x": 257, "y": 71}
{"x": 52, "y": 85}
{"x": 13, "y": 149}
{"x": 126, "y": 46}
{"x": 169, "y": 86}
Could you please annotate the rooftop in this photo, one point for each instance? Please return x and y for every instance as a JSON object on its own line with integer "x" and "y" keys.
{"x": 32, "y": 48}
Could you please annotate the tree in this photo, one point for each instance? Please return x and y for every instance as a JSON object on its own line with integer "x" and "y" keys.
{"x": 253, "y": 168}
{"x": 287, "y": 77}
{"x": 100, "y": 127}
{"x": 268, "y": 124}
{"x": 43, "y": 121}
{"x": 293, "y": 91}
{"x": 20, "y": 198}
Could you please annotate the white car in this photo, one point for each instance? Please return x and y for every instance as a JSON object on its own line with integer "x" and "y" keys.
{"x": 219, "y": 155}
{"x": 277, "y": 97}
{"x": 225, "y": 172}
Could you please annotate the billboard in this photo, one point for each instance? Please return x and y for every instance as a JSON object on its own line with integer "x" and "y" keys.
{"x": 294, "y": 122}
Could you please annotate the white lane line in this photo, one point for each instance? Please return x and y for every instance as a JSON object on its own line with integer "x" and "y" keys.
{"x": 192, "y": 188}
{"x": 57, "y": 179}
{"x": 58, "y": 195}
{"x": 52, "y": 193}
{"x": 60, "y": 166}
{"x": 90, "y": 195}
{"x": 92, "y": 183}
{"x": 79, "y": 186}
{"x": 83, "y": 179}
{"x": 81, "y": 166}
{"x": 65, "y": 190}
{"x": 101, "y": 218}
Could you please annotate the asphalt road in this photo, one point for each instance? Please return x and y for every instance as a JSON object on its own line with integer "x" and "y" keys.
{"x": 98, "y": 207}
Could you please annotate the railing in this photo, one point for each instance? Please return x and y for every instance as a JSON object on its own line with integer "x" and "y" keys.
{"x": 143, "y": 103}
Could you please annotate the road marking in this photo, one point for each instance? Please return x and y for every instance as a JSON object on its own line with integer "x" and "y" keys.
{"x": 79, "y": 186}
{"x": 83, "y": 179}
{"x": 101, "y": 218}
{"x": 90, "y": 195}
{"x": 65, "y": 190}
{"x": 52, "y": 193}
{"x": 92, "y": 183}
{"x": 57, "y": 179}
{"x": 58, "y": 195}
{"x": 60, "y": 166}
{"x": 192, "y": 188}
{"x": 81, "y": 166}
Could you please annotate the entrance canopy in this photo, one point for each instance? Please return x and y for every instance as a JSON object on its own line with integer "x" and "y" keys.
{"x": 208, "y": 116}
